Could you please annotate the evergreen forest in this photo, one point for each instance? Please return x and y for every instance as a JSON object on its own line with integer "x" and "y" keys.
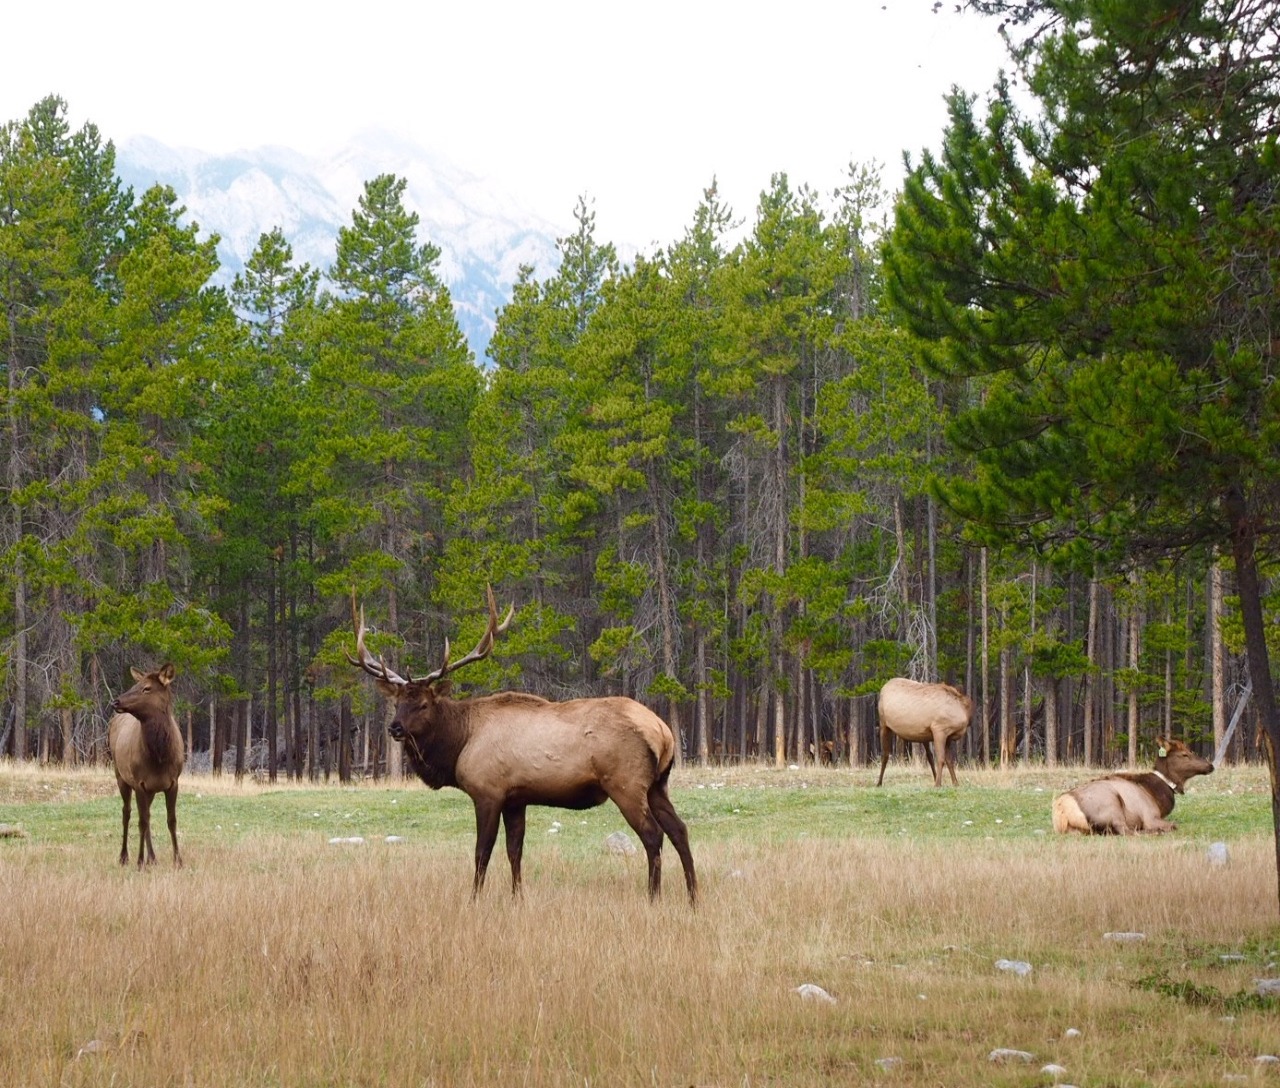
{"x": 1014, "y": 426}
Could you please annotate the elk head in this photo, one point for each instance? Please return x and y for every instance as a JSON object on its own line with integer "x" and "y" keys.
{"x": 1178, "y": 762}
{"x": 150, "y": 693}
{"x": 413, "y": 696}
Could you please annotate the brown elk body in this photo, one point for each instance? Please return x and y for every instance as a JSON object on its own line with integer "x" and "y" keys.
{"x": 1130, "y": 802}
{"x": 512, "y": 750}
{"x": 146, "y": 749}
{"x": 923, "y": 713}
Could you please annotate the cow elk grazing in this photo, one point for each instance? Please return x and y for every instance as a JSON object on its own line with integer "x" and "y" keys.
{"x": 1130, "y": 802}
{"x": 512, "y": 750}
{"x": 146, "y": 748}
{"x": 924, "y": 713}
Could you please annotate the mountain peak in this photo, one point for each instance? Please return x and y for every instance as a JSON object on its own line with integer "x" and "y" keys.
{"x": 483, "y": 232}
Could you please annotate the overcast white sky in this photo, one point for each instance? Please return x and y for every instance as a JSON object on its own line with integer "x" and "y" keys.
{"x": 635, "y": 106}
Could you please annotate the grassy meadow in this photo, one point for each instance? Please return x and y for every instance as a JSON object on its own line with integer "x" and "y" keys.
{"x": 278, "y": 957}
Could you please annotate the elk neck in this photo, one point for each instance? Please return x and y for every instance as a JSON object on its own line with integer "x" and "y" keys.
{"x": 433, "y": 749}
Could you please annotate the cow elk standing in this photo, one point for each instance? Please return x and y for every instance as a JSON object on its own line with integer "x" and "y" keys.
{"x": 924, "y": 713}
{"x": 512, "y": 750}
{"x": 1131, "y": 801}
{"x": 146, "y": 749}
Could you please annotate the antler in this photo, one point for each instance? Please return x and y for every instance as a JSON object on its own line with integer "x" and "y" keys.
{"x": 377, "y": 669}
{"x": 483, "y": 648}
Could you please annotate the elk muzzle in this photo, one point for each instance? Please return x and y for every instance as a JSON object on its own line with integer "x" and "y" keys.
{"x": 396, "y": 730}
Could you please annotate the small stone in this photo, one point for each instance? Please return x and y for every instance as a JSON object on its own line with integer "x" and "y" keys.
{"x": 1054, "y": 1071}
{"x": 1267, "y": 987}
{"x": 1124, "y": 936}
{"x": 349, "y": 840}
{"x": 1267, "y": 1059}
{"x": 1017, "y": 967}
{"x": 1005, "y": 1054}
{"x": 1072, "y": 1033}
{"x": 393, "y": 838}
{"x": 619, "y": 843}
{"x": 1217, "y": 853}
{"x": 888, "y": 1063}
{"x": 810, "y": 992}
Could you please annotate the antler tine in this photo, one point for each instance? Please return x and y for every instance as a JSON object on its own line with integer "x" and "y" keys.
{"x": 483, "y": 648}
{"x": 378, "y": 670}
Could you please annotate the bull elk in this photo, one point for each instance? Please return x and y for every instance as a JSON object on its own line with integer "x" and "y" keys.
{"x": 1130, "y": 802}
{"x": 511, "y": 750}
{"x": 924, "y": 713}
{"x": 146, "y": 750}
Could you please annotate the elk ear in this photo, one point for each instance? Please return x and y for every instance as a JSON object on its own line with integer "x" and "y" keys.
{"x": 137, "y": 674}
{"x": 388, "y": 688}
{"x": 167, "y": 673}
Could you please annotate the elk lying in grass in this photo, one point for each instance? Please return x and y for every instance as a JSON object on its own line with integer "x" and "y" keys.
{"x": 1130, "y": 802}
{"x": 146, "y": 749}
{"x": 511, "y": 750}
{"x": 923, "y": 713}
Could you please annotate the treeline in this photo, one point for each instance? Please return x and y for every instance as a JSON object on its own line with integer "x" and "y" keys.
{"x": 703, "y": 479}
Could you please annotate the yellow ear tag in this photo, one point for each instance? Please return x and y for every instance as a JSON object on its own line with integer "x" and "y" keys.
{"x": 1163, "y": 752}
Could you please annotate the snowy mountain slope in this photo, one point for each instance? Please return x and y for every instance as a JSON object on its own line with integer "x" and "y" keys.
{"x": 484, "y": 234}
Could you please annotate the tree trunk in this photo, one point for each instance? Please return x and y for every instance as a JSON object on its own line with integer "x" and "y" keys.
{"x": 986, "y": 665}
{"x": 1218, "y": 696}
{"x": 1135, "y": 646}
{"x": 1091, "y": 653}
{"x": 1243, "y": 549}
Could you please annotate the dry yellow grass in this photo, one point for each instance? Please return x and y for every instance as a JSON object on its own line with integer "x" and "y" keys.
{"x": 277, "y": 959}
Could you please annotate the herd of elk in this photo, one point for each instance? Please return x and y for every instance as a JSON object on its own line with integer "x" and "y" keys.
{"x": 146, "y": 749}
{"x": 923, "y": 713}
{"x": 512, "y": 750}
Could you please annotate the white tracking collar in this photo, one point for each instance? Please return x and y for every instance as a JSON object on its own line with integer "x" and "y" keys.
{"x": 1165, "y": 780}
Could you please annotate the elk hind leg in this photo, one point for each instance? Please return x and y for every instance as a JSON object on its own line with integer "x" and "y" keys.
{"x": 943, "y": 760}
{"x": 171, "y": 814}
{"x": 669, "y": 820}
{"x": 636, "y": 811}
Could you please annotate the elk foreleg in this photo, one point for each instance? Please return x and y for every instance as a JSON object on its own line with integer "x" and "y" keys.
{"x": 488, "y": 815}
{"x": 126, "y": 797}
{"x": 886, "y": 746}
{"x": 171, "y": 814}
{"x": 670, "y": 822}
{"x": 513, "y": 825}
{"x": 146, "y": 852}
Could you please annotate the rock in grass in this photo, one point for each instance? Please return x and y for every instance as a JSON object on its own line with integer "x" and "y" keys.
{"x": 1217, "y": 853}
{"x": 888, "y": 1063}
{"x": 1017, "y": 967}
{"x": 1124, "y": 936}
{"x": 1267, "y": 987}
{"x": 12, "y": 831}
{"x": 810, "y": 992}
{"x": 1005, "y": 1054}
{"x": 620, "y": 843}
{"x": 1054, "y": 1070}
{"x": 352, "y": 840}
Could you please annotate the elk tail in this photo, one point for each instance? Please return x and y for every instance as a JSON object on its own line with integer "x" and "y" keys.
{"x": 1068, "y": 815}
